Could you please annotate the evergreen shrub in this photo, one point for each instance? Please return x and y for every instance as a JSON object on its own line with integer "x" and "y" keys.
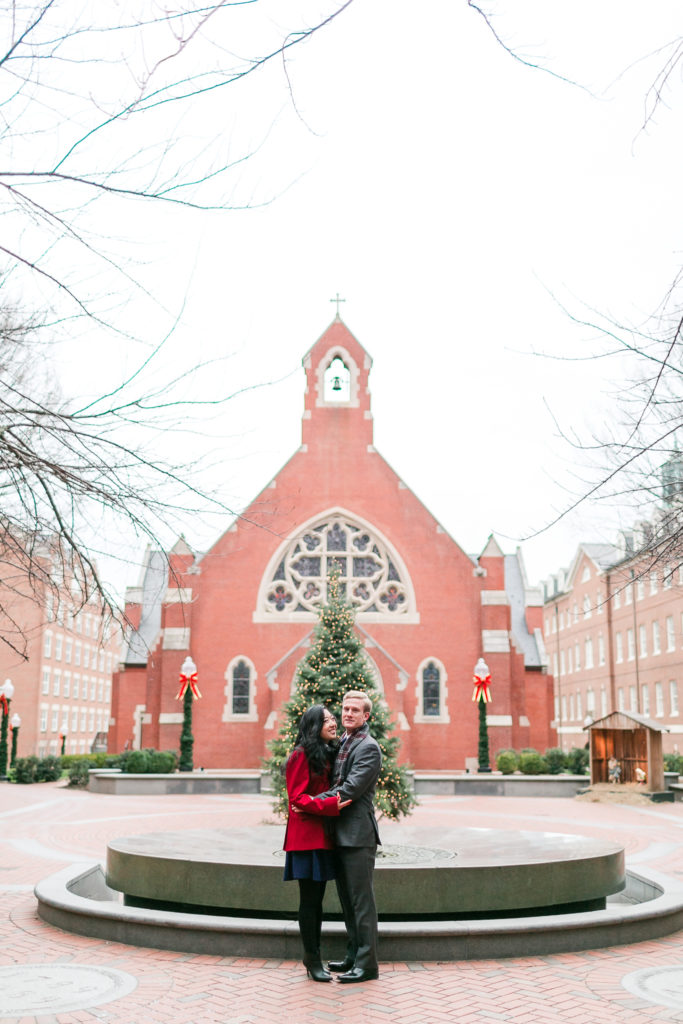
{"x": 49, "y": 769}
{"x": 24, "y": 770}
{"x": 555, "y": 760}
{"x": 507, "y": 761}
{"x": 79, "y": 773}
{"x": 531, "y": 763}
{"x": 137, "y": 762}
{"x": 577, "y": 761}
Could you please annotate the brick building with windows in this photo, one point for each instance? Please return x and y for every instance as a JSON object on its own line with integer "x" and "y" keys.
{"x": 613, "y": 629}
{"x": 245, "y": 610}
{"x": 65, "y": 678}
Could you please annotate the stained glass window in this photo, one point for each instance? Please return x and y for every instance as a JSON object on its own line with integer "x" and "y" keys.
{"x": 370, "y": 576}
{"x": 431, "y": 690}
{"x": 241, "y": 678}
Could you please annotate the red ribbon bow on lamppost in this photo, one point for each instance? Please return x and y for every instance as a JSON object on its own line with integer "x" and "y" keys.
{"x": 482, "y": 682}
{"x": 188, "y": 679}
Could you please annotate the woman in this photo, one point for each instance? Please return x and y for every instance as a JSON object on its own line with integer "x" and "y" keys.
{"x": 307, "y": 845}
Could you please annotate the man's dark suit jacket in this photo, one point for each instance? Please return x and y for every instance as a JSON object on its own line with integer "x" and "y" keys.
{"x": 356, "y": 824}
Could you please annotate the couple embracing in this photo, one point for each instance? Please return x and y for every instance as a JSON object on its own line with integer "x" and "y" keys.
{"x": 321, "y": 786}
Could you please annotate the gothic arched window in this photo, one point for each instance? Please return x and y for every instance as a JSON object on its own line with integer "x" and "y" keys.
{"x": 372, "y": 574}
{"x": 240, "y": 691}
{"x": 431, "y": 692}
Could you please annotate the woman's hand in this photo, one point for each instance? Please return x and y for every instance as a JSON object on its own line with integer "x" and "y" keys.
{"x": 342, "y": 803}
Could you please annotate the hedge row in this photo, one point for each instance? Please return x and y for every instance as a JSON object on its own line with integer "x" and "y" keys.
{"x": 47, "y": 769}
{"x": 553, "y": 762}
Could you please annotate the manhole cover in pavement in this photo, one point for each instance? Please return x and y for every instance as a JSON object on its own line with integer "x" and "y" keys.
{"x": 661, "y": 985}
{"x": 33, "y": 989}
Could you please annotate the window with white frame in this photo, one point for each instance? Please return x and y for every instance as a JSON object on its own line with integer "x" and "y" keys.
{"x": 590, "y": 702}
{"x": 43, "y": 717}
{"x": 67, "y": 684}
{"x": 555, "y": 665}
{"x": 74, "y": 720}
{"x": 431, "y": 692}
{"x": 84, "y": 719}
{"x": 586, "y": 575}
{"x": 562, "y": 665}
{"x": 575, "y": 614}
{"x": 100, "y": 661}
{"x": 642, "y": 641}
{"x": 68, "y": 648}
{"x": 93, "y": 687}
{"x": 577, "y": 657}
{"x": 656, "y": 641}
{"x": 653, "y": 582}
{"x": 633, "y": 698}
{"x": 603, "y": 702}
{"x": 640, "y": 589}
{"x": 46, "y": 681}
{"x": 586, "y": 606}
{"x": 673, "y": 696}
{"x": 588, "y": 652}
{"x": 630, "y": 644}
{"x": 58, "y": 646}
{"x": 599, "y": 603}
{"x": 91, "y": 720}
{"x": 670, "y": 634}
{"x": 668, "y": 579}
{"x": 569, "y": 661}
{"x": 86, "y": 656}
{"x": 107, "y": 687}
{"x": 54, "y": 724}
{"x": 561, "y": 620}
{"x": 628, "y": 593}
{"x": 617, "y": 599}
{"x": 659, "y": 701}
{"x": 564, "y": 708}
{"x": 100, "y": 689}
{"x": 620, "y": 699}
{"x": 645, "y": 698}
{"x": 579, "y": 709}
{"x": 77, "y": 654}
{"x": 240, "y": 691}
{"x": 572, "y": 716}
{"x": 619, "y": 646}
{"x": 601, "y": 649}
{"x": 77, "y": 685}
{"x": 556, "y": 704}
{"x": 108, "y": 669}
{"x": 56, "y": 683}
{"x": 47, "y": 644}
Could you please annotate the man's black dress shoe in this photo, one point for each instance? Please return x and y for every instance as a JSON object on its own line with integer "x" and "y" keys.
{"x": 357, "y": 974}
{"x": 340, "y": 965}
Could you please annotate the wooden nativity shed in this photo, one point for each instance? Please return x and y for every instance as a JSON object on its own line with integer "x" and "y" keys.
{"x": 635, "y": 741}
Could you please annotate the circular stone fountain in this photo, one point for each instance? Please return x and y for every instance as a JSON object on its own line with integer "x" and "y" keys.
{"x": 443, "y": 894}
{"x": 470, "y": 873}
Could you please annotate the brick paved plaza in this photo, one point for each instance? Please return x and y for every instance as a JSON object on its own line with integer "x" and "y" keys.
{"x": 44, "y": 828}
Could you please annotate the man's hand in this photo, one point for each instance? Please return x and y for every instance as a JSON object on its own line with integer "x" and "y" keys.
{"x": 342, "y": 803}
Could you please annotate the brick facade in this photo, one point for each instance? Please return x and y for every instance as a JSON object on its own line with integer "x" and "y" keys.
{"x": 245, "y": 609}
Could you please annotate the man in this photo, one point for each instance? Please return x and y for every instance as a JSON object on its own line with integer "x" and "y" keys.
{"x": 356, "y": 772}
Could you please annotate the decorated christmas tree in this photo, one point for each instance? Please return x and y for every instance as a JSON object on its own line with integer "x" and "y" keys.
{"x": 336, "y": 663}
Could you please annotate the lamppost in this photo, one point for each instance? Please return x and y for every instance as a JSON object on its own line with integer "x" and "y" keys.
{"x": 64, "y": 732}
{"x": 187, "y": 693}
{"x": 6, "y": 694}
{"x": 482, "y": 694}
{"x": 15, "y": 724}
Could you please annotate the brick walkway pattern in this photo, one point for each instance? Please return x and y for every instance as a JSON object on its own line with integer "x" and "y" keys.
{"x": 44, "y": 828}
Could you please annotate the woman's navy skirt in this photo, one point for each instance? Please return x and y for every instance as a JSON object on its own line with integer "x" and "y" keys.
{"x": 315, "y": 864}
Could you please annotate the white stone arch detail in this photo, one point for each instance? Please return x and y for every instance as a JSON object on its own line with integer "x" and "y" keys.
{"x": 354, "y": 372}
{"x": 369, "y": 609}
{"x": 228, "y": 714}
{"x": 443, "y": 717}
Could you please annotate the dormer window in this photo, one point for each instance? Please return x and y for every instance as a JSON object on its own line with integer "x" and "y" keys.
{"x": 337, "y": 382}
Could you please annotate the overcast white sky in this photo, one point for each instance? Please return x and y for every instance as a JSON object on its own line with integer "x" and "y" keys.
{"x": 446, "y": 192}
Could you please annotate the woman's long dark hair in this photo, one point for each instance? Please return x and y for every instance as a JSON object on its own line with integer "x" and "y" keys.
{"x": 318, "y": 752}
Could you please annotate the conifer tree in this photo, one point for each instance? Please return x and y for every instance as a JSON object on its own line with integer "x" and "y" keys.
{"x": 335, "y": 664}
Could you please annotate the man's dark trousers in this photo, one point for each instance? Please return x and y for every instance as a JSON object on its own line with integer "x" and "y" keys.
{"x": 355, "y": 866}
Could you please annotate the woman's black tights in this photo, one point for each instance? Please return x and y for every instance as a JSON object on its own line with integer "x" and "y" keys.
{"x": 311, "y": 895}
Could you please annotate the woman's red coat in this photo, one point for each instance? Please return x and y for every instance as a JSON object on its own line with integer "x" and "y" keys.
{"x": 305, "y": 830}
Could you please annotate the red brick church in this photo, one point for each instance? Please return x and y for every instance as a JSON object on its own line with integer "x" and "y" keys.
{"x": 245, "y": 609}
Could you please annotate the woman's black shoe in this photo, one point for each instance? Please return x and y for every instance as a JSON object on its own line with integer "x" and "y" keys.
{"x": 316, "y": 971}
{"x": 340, "y": 965}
